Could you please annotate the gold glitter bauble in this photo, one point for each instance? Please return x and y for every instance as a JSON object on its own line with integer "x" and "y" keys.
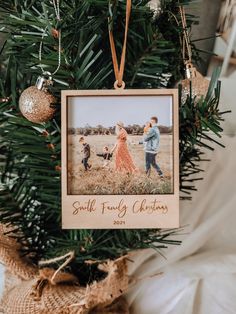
{"x": 37, "y": 105}
{"x": 199, "y": 85}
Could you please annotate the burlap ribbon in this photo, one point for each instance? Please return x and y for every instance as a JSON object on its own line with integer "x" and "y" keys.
{"x": 30, "y": 290}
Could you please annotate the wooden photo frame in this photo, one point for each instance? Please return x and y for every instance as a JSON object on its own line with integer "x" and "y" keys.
{"x": 120, "y": 159}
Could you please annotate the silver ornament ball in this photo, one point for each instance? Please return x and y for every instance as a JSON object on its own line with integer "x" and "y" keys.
{"x": 37, "y": 105}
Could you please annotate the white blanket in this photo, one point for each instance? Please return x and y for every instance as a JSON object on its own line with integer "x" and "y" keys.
{"x": 199, "y": 277}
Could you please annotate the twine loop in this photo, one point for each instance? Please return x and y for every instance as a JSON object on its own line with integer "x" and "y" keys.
{"x": 50, "y": 276}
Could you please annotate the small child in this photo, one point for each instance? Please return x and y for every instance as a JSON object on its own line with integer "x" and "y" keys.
{"x": 147, "y": 127}
{"x": 106, "y": 155}
{"x": 86, "y": 153}
{"x": 145, "y": 131}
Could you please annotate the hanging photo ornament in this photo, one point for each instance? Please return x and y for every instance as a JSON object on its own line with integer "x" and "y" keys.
{"x": 199, "y": 84}
{"x": 36, "y": 103}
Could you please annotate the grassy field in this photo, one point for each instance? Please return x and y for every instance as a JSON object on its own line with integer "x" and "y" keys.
{"x": 103, "y": 181}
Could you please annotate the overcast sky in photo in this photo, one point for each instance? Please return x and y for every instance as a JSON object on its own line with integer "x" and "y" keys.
{"x": 108, "y": 110}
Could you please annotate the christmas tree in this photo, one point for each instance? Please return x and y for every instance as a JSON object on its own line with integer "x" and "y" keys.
{"x": 30, "y": 152}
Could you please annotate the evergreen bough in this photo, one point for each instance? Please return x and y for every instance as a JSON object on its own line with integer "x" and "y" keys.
{"x": 30, "y": 153}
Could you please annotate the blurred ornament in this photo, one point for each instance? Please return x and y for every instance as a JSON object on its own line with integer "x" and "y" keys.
{"x": 36, "y": 103}
{"x": 195, "y": 84}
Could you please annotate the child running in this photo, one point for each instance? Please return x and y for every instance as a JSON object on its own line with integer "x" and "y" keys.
{"x": 106, "y": 155}
{"x": 86, "y": 153}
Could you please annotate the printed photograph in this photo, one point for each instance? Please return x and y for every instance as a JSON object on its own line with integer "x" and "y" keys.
{"x": 120, "y": 145}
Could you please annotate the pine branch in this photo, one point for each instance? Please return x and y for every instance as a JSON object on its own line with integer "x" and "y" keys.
{"x": 29, "y": 163}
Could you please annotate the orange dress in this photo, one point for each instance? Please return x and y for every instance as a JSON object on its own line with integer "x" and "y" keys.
{"x": 123, "y": 159}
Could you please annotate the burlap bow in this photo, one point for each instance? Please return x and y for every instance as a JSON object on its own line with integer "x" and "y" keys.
{"x": 31, "y": 290}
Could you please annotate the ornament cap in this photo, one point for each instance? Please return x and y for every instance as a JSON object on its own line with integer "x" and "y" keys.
{"x": 44, "y": 80}
{"x": 190, "y": 71}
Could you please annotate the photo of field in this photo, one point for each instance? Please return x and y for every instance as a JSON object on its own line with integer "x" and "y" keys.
{"x": 109, "y": 124}
{"x": 99, "y": 181}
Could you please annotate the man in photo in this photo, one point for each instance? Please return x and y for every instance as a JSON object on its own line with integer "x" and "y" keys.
{"x": 86, "y": 153}
{"x": 151, "y": 147}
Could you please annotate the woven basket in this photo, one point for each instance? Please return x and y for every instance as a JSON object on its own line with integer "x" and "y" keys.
{"x": 29, "y": 290}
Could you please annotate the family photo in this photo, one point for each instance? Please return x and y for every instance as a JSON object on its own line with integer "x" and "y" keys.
{"x": 120, "y": 147}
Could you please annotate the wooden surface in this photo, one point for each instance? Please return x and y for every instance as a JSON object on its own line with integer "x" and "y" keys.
{"x": 120, "y": 211}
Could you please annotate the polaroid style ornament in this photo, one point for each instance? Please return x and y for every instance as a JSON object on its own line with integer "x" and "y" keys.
{"x": 36, "y": 103}
{"x": 194, "y": 79}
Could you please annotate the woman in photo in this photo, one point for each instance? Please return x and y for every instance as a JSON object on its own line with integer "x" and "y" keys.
{"x": 123, "y": 159}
